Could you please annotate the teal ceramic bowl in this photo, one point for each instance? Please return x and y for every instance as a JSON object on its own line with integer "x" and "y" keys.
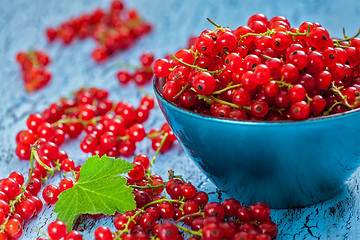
{"x": 285, "y": 164}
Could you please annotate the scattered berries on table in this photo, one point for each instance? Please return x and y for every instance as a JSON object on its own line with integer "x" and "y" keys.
{"x": 114, "y": 29}
{"x": 33, "y": 66}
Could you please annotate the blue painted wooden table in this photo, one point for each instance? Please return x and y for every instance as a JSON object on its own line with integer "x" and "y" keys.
{"x": 22, "y": 25}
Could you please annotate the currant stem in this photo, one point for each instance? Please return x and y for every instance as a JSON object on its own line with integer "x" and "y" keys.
{"x": 190, "y": 215}
{"x": 33, "y": 58}
{"x": 349, "y": 38}
{"x": 120, "y": 233}
{"x": 213, "y": 23}
{"x": 297, "y": 33}
{"x": 267, "y": 33}
{"x": 208, "y": 98}
{"x": 281, "y": 83}
{"x": 345, "y": 36}
{"x": 331, "y": 108}
{"x": 152, "y": 161}
{"x": 227, "y": 88}
{"x": 179, "y": 177}
{"x": 338, "y": 92}
{"x": 31, "y": 167}
{"x": 182, "y": 90}
{"x": 35, "y": 154}
{"x": 279, "y": 110}
{"x": 75, "y": 120}
{"x": 308, "y": 98}
{"x": 148, "y": 187}
{"x": 189, "y": 231}
{"x": 196, "y": 67}
{"x": 162, "y": 200}
{"x": 155, "y": 134}
{"x": 12, "y": 204}
{"x": 123, "y": 138}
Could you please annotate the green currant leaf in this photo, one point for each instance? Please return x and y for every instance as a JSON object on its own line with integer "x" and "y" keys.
{"x": 100, "y": 189}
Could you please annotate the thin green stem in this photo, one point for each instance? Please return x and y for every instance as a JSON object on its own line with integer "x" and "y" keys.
{"x": 75, "y": 120}
{"x": 33, "y": 58}
{"x": 267, "y": 33}
{"x": 36, "y": 156}
{"x": 182, "y": 90}
{"x": 345, "y": 36}
{"x": 209, "y": 98}
{"x": 123, "y": 138}
{"x": 331, "y": 108}
{"x": 148, "y": 187}
{"x": 162, "y": 200}
{"x": 189, "y": 231}
{"x": 155, "y": 134}
{"x": 348, "y": 38}
{"x": 297, "y": 33}
{"x": 196, "y": 67}
{"x": 190, "y": 215}
{"x": 339, "y": 93}
{"x": 213, "y": 23}
{"x": 31, "y": 167}
{"x": 281, "y": 83}
{"x": 308, "y": 98}
{"x": 279, "y": 110}
{"x": 227, "y": 88}
{"x": 12, "y": 204}
{"x": 308, "y": 30}
{"x": 179, "y": 177}
{"x": 152, "y": 161}
{"x": 126, "y": 229}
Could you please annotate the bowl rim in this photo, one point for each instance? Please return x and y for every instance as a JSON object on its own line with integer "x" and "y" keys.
{"x": 249, "y": 122}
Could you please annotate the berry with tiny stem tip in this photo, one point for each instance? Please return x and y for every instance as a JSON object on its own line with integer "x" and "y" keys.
{"x": 204, "y": 44}
{"x": 280, "y": 41}
{"x": 103, "y": 233}
{"x": 204, "y": 83}
{"x": 50, "y": 194}
{"x": 214, "y": 209}
{"x": 57, "y": 230}
{"x": 14, "y": 228}
{"x": 300, "y": 110}
{"x": 161, "y": 68}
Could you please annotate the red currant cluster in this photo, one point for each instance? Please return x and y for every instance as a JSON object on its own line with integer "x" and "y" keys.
{"x": 199, "y": 218}
{"x": 33, "y": 65}
{"x": 114, "y": 30}
{"x": 16, "y": 205}
{"x": 142, "y": 75}
{"x": 266, "y": 70}
{"x": 111, "y": 129}
{"x": 19, "y": 201}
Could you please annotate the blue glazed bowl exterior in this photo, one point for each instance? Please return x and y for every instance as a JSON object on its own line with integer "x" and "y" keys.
{"x": 285, "y": 164}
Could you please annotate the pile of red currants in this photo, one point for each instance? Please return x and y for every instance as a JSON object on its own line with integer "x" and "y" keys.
{"x": 267, "y": 70}
{"x": 33, "y": 65}
{"x": 190, "y": 212}
{"x": 114, "y": 30}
